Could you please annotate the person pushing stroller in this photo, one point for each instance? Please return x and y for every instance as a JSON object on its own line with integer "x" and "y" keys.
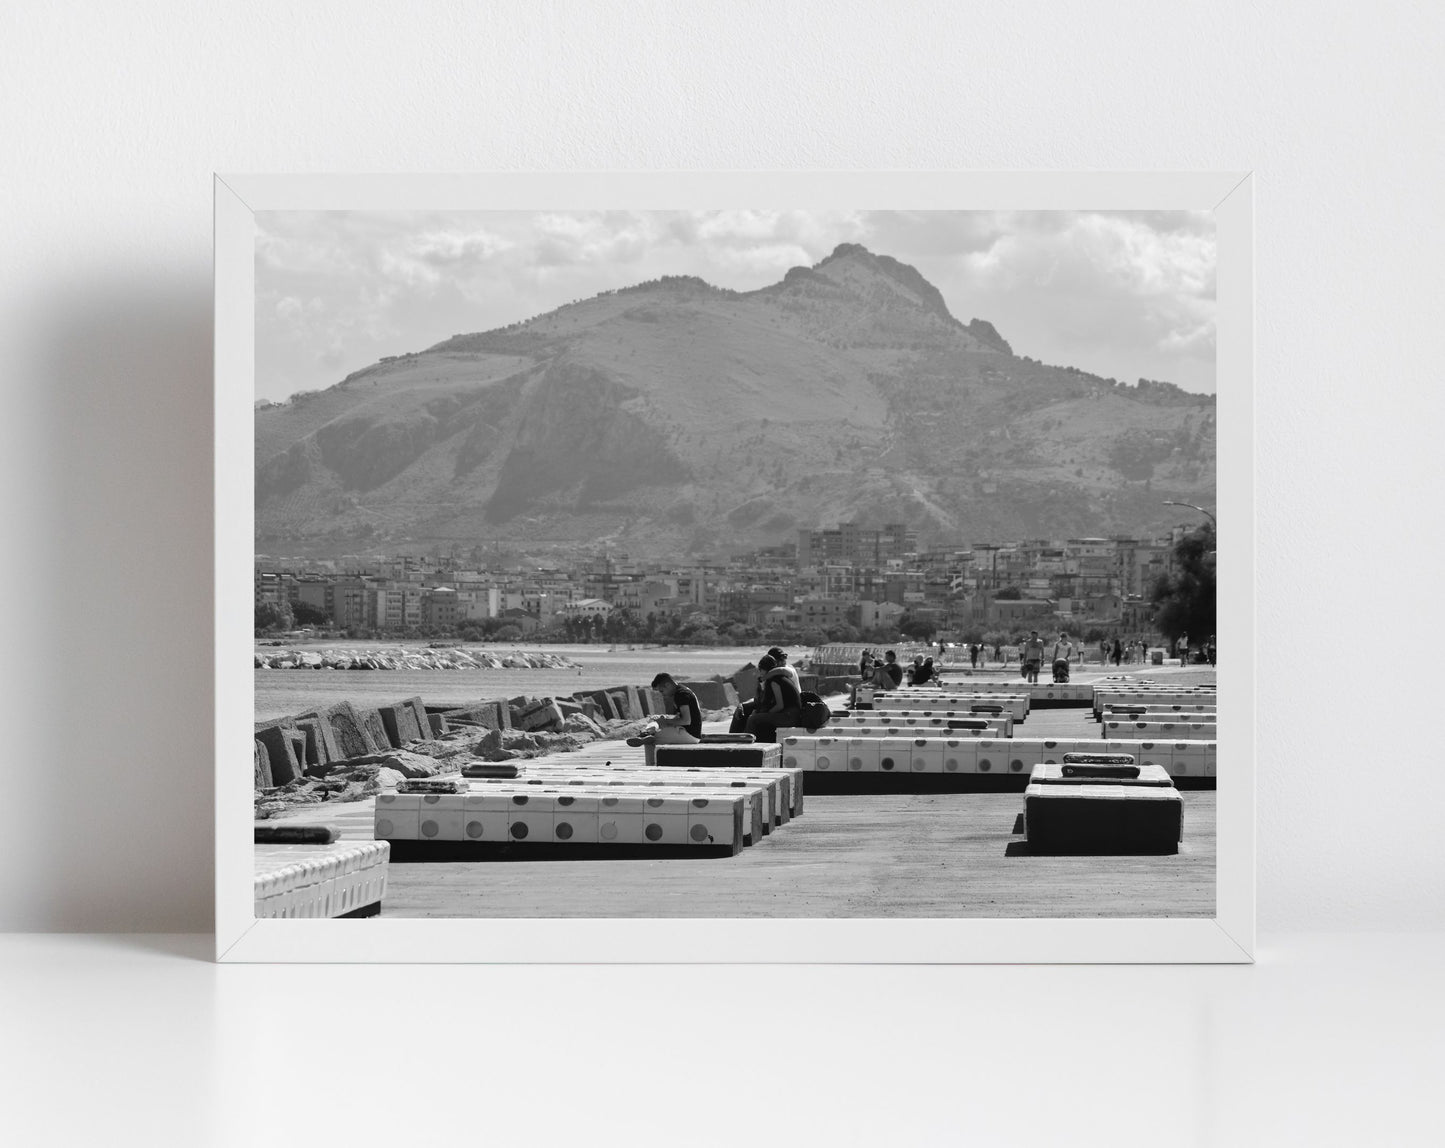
{"x": 1064, "y": 652}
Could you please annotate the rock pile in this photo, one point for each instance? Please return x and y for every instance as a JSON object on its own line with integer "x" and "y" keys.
{"x": 400, "y": 658}
{"x": 342, "y": 753}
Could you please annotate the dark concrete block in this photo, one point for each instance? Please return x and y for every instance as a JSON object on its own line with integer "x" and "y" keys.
{"x": 280, "y": 750}
{"x": 315, "y": 753}
{"x": 400, "y": 723}
{"x": 263, "y": 766}
{"x": 324, "y": 732}
{"x": 352, "y": 736}
{"x": 618, "y": 698}
{"x": 759, "y": 755}
{"x": 376, "y": 730}
{"x": 418, "y": 710}
{"x": 437, "y": 724}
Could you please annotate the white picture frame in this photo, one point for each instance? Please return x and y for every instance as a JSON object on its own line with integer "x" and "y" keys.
{"x": 1229, "y": 937}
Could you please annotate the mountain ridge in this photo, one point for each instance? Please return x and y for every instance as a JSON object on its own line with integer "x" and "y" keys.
{"x": 678, "y": 418}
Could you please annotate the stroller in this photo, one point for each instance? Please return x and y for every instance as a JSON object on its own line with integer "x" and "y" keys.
{"x": 1061, "y": 671}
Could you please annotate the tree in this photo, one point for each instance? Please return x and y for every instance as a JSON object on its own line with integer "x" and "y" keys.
{"x": 1184, "y": 601}
{"x": 270, "y": 616}
{"x": 308, "y": 615}
{"x": 920, "y": 629}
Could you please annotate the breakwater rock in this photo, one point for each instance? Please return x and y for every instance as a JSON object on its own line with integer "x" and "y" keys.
{"x": 400, "y": 658}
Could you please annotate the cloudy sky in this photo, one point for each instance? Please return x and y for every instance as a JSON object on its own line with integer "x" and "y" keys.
{"x": 1121, "y": 294}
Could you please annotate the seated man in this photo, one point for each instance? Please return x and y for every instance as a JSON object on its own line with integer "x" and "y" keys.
{"x": 684, "y": 725}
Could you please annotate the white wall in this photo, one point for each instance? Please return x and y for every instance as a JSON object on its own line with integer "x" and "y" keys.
{"x": 112, "y": 118}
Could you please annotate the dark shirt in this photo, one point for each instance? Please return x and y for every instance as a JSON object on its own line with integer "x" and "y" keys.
{"x": 894, "y": 671}
{"x": 685, "y": 697}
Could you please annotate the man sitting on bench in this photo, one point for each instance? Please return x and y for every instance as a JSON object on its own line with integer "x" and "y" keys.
{"x": 684, "y": 725}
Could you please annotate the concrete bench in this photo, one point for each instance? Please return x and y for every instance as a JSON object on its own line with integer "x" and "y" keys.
{"x": 342, "y": 879}
{"x": 1196, "y": 760}
{"x": 499, "y": 814}
{"x": 1001, "y": 724}
{"x": 1014, "y": 705}
{"x": 1102, "y": 815}
{"x": 775, "y": 791}
{"x": 787, "y": 784}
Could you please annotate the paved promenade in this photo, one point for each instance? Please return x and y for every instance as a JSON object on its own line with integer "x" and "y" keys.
{"x": 900, "y": 855}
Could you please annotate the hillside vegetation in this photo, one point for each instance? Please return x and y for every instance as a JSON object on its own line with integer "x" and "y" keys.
{"x": 675, "y": 418}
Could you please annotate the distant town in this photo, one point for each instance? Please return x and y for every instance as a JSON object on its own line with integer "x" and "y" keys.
{"x": 845, "y": 584}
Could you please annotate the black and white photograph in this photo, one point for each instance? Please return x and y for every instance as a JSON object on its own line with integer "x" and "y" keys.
{"x": 757, "y": 562}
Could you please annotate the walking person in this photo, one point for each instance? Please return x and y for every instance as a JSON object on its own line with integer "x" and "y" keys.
{"x": 1064, "y": 652}
{"x": 1032, "y": 656}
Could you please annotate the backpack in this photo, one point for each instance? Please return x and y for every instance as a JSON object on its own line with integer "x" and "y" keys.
{"x": 815, "y": 711}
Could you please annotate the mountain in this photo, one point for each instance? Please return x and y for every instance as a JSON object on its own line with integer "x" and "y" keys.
{"x": 675, "y": 418}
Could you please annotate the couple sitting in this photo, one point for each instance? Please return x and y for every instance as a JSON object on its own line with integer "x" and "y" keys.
{"x": 778, "y": 703}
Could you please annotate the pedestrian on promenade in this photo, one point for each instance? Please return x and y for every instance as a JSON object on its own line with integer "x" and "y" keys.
{"x": 683, "y": 726}
{"x": 1032, "y": 655}
{"x": 1181, "y": 648}
{"x": 1210, "y": 650}
{"x": 973, "y": 655}
{"x": 779, "y": 706}
{"x": 1064, "y": 651}
{"x": 1118, "y": 651}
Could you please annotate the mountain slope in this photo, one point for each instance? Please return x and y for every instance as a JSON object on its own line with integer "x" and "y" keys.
{"x": 676, "y": 418}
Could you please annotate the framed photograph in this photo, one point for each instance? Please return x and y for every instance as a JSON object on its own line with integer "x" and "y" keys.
{"x": 735, "y": 567}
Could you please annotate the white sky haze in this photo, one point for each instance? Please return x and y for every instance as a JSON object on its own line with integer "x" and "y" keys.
{"x": 1121, "y": 294}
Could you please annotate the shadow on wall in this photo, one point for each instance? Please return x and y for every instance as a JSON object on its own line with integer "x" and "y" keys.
{"x": 117, "y": 817}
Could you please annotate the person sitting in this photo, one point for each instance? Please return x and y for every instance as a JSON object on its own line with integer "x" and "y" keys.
{"x": 924, "y": 672}
{"x": 684, "y": 725}
{"x": 782, "y": 661}
{"x": 888, "y": 674}
{"x": 779, "y": 707}
{"x": 745, "y": 710}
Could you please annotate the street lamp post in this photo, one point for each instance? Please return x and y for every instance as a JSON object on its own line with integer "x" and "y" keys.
{"x": 1201, "y": 510}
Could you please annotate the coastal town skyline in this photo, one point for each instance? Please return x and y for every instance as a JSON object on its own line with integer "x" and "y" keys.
{"x": 1119, "y": 294}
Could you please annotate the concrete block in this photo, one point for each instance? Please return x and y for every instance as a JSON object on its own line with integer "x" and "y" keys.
{"x": 529, "y": 818}
{"x": 375, "y": 729}
{"x": 485, "y": 816}
{"x": 263, "y": 766}
{"x": 400, "y": 724}
{"x": 354, "y": 736}
{"x": 281, "y": 750}
{"x": 543, "y": 714}
{"x": 862, "y": 754}
{"x": 398, "y": 817}
{"x": 1023, "y": 755}
{"x": 664, "y": 821}
{"x": 326, "y": 735}
{"x": 755, "y": 756}
{"x": 714, "y": 695}
{"x": 829, "y": 754}
{"x": 442, "y": 817}
{"x": 633, "y": 699}
{"x": 575, "y": 820}
{"x": 992, "y": 756}
{"x": 620, "y": 820}
{"x": 960, "y": 755}
{"x": 893, "y": 753}
{"x": 315, "y": 754}
{"x": 436, "y": 724}
{"x": 711, "y": 821}
{"x": 926, "y": 755}
{"x": 1103, "y": 818}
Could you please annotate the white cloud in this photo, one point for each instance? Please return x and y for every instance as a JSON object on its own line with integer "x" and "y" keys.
{"x": 1120, "y": 293}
